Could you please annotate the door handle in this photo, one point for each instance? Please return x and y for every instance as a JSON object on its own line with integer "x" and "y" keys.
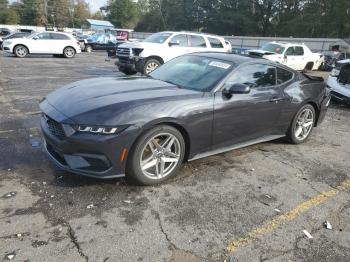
{"x": 277, "y": 99}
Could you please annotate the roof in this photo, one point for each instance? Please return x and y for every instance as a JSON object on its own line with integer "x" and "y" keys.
{"x": 99, "y": 22}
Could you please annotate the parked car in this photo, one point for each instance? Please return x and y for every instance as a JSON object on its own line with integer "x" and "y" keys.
{"x": 161, "y": 47}
{"x": 99, "y": 42}
{"x": 43, "y": 43}
{"x": 191, "y": 107}
{"x": 4, "y": 32}
{"x": 296, "y": 56}
{"x": 339, "y": 82}
{"x": 331, "y": 58}
{"x": 123, "y": 36}
{"x": 12, "y": 36}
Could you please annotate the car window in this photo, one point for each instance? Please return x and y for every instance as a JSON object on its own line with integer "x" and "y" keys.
{"x": 44, "y": 36}
{"x": 215, "y": 43}
{"x": 197, "y": 41}
{"x": 158, "y": 38}
{"x": 283, "y": 75}
{"x": 180, "y": 39}
{"x": 295, "y": 51}
{"x": 255, "y": 76}
{"x": 193, "y": 72}
{"x": 59, "y": 36}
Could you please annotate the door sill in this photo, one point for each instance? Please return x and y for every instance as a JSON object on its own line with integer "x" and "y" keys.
{"x": 236, "y": 146}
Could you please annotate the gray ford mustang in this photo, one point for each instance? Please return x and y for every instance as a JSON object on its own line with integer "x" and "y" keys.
{"x": 194, "y": 106}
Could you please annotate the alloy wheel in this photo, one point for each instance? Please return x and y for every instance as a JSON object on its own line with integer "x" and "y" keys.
{"x": 160, "y": 156}
{"x": 21, "y": 51}
{"x": 69, "y": 52}
{"x": 304, "y": 124}
{"x": 151, "y": 67}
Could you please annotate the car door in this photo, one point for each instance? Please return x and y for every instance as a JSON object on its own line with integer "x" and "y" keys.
{"x": 245, "y": 117}
{"x": 178, "y": 45}
{"x": 41, "y": 43}
{"x": 58, "y": 43}
{"x": 294, "y": 57}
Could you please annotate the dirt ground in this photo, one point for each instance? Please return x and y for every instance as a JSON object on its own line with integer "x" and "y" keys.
{"x": 245, "y": 205}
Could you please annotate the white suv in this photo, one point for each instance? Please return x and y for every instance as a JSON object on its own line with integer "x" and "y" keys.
{"x": 43, "y": 43}
{"x": 296, "y": 56}
{"x": 161, "y": 47}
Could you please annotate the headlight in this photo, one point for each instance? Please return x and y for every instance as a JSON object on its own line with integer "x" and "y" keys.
{"x": 335, "y": 72}
{"x": 99, "y": 130}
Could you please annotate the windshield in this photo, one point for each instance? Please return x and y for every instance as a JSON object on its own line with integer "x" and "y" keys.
{"x": 274, "y": 48}
{"x": 193, "y": 72}
{"x": 158, "y": 38}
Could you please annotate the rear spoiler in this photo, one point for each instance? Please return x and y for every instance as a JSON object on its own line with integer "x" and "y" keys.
{"x": 314, "y": 78}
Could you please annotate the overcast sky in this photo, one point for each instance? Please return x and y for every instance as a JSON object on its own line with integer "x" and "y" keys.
{"x": 96, "y": 4}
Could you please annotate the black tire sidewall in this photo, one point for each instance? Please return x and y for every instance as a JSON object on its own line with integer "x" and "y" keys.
{"x": 291, "y": 134}
{"x": 64, "y": 52}
{"x": 19, "y": 47}
{"x": 134, "y": 172}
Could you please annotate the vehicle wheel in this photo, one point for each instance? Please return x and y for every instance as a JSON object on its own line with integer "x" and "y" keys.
{"x": 88, "y": 48}
{"x": 150, "y": 66}
{"x": 156, "y": 156}
{"x": 21, "y": 51}
{"x": 302, "y": 124}
{"x": 69, "y": 52}
{"x": 127, "y": 71}
{"x": 309, "y": 66}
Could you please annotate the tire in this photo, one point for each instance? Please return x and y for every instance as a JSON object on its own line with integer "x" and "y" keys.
{"x": 302, "y": 125}
{"x": 21, "y": 51}
{"x": 69, "y": 52}
{"x": 156, "y": 156}
{"x": 309, "y": 66}
{"x": 88, "y": 48}
{"x": 150, "y": 65}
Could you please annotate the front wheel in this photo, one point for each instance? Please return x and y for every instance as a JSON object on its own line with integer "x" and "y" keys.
{"x": 156, "y": 156}
{"x": 69, "y": 52}
{"x": 151, "y": 65}
{"x": 302, "y": 125}
{"x": 88, "y": 49}
{"x": 21, "y": 51}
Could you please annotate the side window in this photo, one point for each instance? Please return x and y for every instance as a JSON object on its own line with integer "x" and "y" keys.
{"x": 290, "y": 51}
{"x": 59, "y": 37}
{"x": 44, "y": 36}
{"x": 197, "y": 41}
{"x": 283, "y": 75}
{"x": 257, "y": 75}
{"x": 299, "y": 50}
{"x": 180, "y": 39}
{"x": 215, "y": 43}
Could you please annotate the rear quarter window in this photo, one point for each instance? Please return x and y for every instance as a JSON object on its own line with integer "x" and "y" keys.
{"x": 197, "y": 41}
{"x": 215, "y": 43}
{"x": 283, "y": 75}
{"x": 60, "y": 37}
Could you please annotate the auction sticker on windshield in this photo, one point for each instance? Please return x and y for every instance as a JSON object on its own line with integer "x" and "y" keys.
{"x": 220, "y": 64}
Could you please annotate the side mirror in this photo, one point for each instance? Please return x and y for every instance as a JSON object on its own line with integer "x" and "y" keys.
{"x": 35, "y": 37}
{"x": 173, "y": 43}
{"x": 235, "y": 89}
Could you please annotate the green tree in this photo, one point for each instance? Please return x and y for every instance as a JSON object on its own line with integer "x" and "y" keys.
{"x": 122, "y": 13}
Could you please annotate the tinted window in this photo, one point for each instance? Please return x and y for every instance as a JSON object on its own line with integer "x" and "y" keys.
{"x": 295, "y": 51}
{"x": 44, "y": 36}
{"x": 59, "y": 37}
{"x": 180, "y": 39}
{"x": 197, "y": 41}
{"x": 274, "y": 48}
{"x": 257, "y": 75}
{"x": 215, "y": 43}
{"x": 193, "y": 72}
{"x": 157, "y": 38}
{"x": 283, "y": 75}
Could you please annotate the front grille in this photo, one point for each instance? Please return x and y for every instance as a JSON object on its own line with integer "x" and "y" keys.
{"x": 55, "y": 128}
{"x": 56, "y": 155}
{"x": 123, "y": 51}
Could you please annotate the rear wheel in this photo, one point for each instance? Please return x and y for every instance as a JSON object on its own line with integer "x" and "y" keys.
{"x": 309, "y": 66}
{"x": 151, "y": 65}
{"x": 88, "y": 48}
{"x": 21, "y": 51}
{"x": 302, "y": 125}
{"x": 69, "y": 52}
{"x": 156, "y": 156}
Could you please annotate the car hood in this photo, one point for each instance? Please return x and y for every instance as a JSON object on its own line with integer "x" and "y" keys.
{"x": 139, "y": 45}
{"x": 101, "y": 97}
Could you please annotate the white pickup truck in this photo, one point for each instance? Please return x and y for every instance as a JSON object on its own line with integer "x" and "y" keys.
{"x": 296, "y": 56}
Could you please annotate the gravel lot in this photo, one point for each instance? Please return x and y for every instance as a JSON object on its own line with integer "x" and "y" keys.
{"x": 246, "y": 205}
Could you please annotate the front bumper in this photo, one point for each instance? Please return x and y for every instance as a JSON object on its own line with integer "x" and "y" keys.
{"x": 324, "y": 108}
{"x": 98, "y": 156}
{"x": 339, "y": 91}
{"x": 131, "y": 63}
